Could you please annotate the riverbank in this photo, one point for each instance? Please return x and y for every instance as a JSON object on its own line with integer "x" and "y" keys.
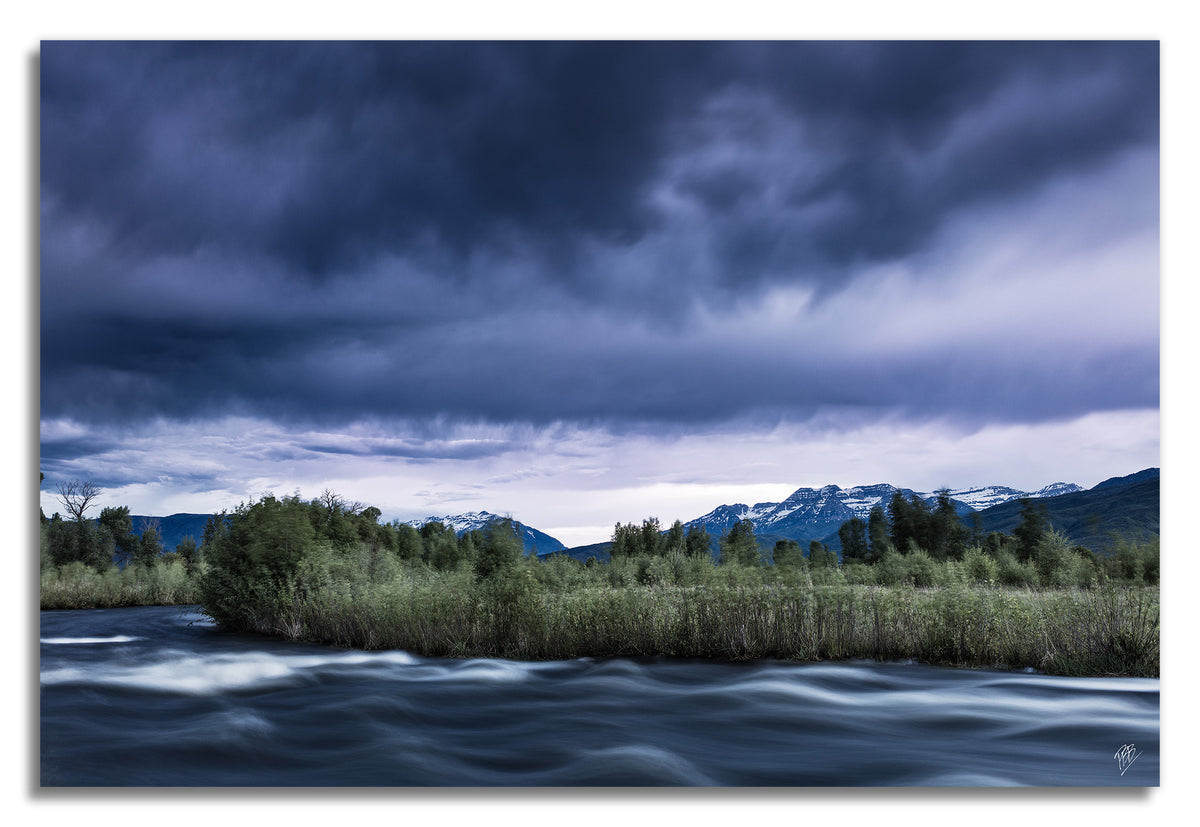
{"x": 1109, "y": 630}
{"x": 1097, "y": 632}
{"x": 76, "y": 586}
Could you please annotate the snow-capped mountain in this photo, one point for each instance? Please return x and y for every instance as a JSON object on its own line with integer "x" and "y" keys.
{"x": 536, "y": 542}
{"x": 816, "y": 513}
{"x": 989, "y": 495}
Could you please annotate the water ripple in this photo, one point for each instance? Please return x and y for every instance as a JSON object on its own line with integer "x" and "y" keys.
{"x": 213, "y": 708}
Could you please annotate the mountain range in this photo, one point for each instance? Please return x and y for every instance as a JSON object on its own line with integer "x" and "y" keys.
{"x": 1119, "y": 506}
{"x": 815, "y": 513}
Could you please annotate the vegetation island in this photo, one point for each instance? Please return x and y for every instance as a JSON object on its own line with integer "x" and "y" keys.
{"x": 913, "y": 582}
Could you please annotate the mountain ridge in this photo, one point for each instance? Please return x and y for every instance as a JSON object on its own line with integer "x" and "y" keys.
{"x": 817, "y": 513}
{"x": 1125, "y": 505}
{"x": 536, "y": 542}
{"x": 814, "y": 513}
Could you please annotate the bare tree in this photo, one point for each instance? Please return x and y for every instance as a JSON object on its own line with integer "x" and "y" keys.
{"x": 77, "y": 496}
{"x": 332, "y": 502}
{"x": 335, "y": 503}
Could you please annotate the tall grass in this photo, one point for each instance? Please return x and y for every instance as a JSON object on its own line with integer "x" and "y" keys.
{"x": 982, "y": 611}
{"x": 1069, "y": 631}
{"x": 77, "y": 586}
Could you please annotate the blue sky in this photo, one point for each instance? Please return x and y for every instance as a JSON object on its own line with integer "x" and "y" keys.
{"x": 590, "y": 282}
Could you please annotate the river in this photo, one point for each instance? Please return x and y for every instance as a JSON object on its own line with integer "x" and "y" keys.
{"x": 157, "y": 696}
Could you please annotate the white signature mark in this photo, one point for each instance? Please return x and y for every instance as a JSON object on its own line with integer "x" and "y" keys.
{"x": 1125, "y": 756}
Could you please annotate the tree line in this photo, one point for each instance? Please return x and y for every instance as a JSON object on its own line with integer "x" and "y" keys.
{"x": 326, "y": 570}
{"x": 908, "y": 537}
{"x": 278, "y": 533}
{"x": 289, "y": 527}
{"x": 110, "y": 539}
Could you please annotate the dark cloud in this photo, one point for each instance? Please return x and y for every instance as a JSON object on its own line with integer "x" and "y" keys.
{"x": 410, "y": 449}
{"x": 535, "y": 231}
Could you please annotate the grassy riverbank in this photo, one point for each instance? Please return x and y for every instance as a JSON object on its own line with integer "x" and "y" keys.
{"x": 1107, "y": 631}
{"x": 77, "y": 586}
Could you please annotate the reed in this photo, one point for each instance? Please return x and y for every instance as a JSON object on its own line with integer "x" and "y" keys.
{"x": 967, "y": 613}
{"x": 77, "y": 586}
{"x": 1067, "y": 631}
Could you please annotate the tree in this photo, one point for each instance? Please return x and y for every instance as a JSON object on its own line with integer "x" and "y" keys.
{"x": 468, "y": 545}
{"x": 853, "y": 537}
{"x": 441, "y": 545}
{"x": 408, "y": 542}
{"x": 1033, "y": 526}
{"x": 82, "y": 541}
{"x": 924, "y": 530}
{"x": 149, "y": 546}
{"x": 901, "y": 522}
{"x": 187, "y": 551}
{"x": 675, "y": 541}
{"x": 332, "y": 503}
{"x": 62, "y": 541}
{"x": 819, "y": 556}
{"x": 698, "y": 541}
{"x": 788, "y": 553}
{"x": 501, "y": 550}
{"x": 626, "y": 541}
{"x": 652, "y": 539}
{"x": 255, "y": 559}
{"x": 740, "y": 546}
{"x": 334, "y": 520}
{"x": 370, "y": 533}
{"x": 214, "y": 529}
{"x": 949, "y": 540}
{"x": 877, "y": 532}
{"x": 1053, "y": 556}
{"x": 77, "y": 496}
{"x": 120, "y": 527}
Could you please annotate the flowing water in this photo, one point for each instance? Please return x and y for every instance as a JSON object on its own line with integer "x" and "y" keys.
{"x": 158, "y": 696}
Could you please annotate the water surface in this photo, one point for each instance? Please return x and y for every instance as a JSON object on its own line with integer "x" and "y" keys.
{"x": 158, "y": 696}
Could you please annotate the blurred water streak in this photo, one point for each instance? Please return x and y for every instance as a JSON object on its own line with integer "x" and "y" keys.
{"x": 157, "y": 696}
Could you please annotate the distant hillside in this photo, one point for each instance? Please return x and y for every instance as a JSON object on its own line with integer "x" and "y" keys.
{"x": 1123, "y": 507}
{"x": 536, "y": 542}
{"x": 171, "y": 530}
{"x": 1140, "y": 476}
{"x": 599, "y": 551}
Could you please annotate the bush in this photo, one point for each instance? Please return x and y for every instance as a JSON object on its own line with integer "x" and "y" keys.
{"x": 1134, "y": 561}
{"x": 1012, "y": 572}
{"x": 980, "y": 568}
{"x": 79, "y": 586}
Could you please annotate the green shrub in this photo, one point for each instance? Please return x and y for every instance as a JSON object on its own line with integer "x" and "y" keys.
{"x": 79, "y": 586}
{"x": 1134, "y": 561}
{"x": 980, "y": 568}
{"x": 1012, "y": 572}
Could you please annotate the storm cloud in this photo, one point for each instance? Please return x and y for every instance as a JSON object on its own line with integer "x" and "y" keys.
{"x": 628, "y": 236}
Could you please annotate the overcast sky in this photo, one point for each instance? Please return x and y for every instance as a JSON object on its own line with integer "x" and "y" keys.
{"x": 588, "y": 282}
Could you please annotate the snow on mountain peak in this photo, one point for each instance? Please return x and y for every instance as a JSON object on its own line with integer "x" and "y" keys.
{"x": 816, "y": 512}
